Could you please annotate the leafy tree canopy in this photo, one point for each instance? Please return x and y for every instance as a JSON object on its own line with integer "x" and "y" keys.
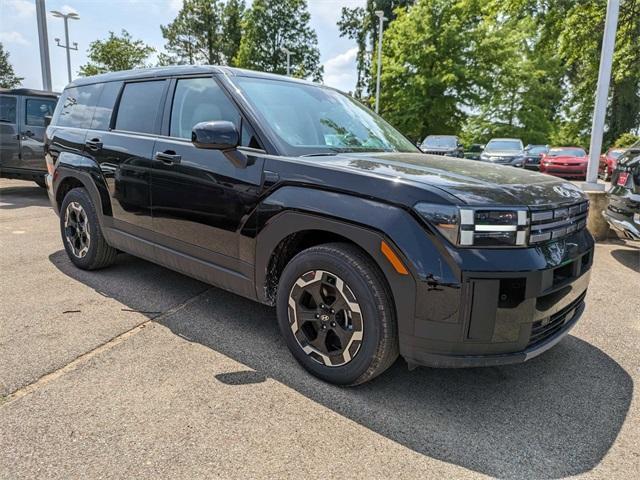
{"x": 204, "y": 32}
{"x": 8, "y": 78}
{"x": 117, "y": 52}
{"x": 268, "y": 27}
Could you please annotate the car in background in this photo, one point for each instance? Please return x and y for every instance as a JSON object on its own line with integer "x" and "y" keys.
{"x": 565, "y": 162}
{"x": 608, "y": 162}
{"x": 504, "y": 151}
{"x": 623, "y": 210}
{"x": 23, "y": 115}
{"x": 532, "y": 156}
{"x": 448, "y": 145}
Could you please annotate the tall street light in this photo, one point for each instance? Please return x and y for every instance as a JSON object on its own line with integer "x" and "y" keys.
{"x": 66, "y": 46}
{"x": 288, "y": 52}
{"x": 380, "y": 15}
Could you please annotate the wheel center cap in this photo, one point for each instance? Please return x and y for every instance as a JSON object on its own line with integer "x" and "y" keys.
{"x": 324, "y": 317}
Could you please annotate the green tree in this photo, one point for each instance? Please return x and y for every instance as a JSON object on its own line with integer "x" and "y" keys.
{"x": 117, "y": 52}
{"x": 626, "y": 140}
{"x": 204, "y": 31}
{"x": 8, "y": 78}
{"x": 361, "y": 24}
{"x": 268, "y": 27}
{"x": 430, "y": 76}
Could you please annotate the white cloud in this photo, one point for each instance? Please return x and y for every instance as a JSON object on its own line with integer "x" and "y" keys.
{"x": 340, "y": 71}
{"x": 20, "y": 8}
{"x": 175, "y": 5}
{"x": 66, "y": 9}
{"x": 13, "y": 37}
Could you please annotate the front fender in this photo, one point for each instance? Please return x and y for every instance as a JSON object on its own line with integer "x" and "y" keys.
{"x": 366, "y": 223}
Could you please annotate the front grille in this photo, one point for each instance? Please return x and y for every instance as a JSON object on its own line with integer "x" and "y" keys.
{"x": 431, "y": 152}
{"x": 558, "y": 222}
{"x": 548, "y": 327}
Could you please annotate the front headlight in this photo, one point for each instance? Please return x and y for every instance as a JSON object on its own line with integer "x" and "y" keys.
{"x": 478, "y": 226}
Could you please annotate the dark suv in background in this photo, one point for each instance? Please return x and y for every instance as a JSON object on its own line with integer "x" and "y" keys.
{"x": 448, "y": 145}
{"x": 297, "y": 196}
{"x": 23, "y": 114}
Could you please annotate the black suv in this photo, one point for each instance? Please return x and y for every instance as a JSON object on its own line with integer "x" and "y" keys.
{"x": 294, "y": 195}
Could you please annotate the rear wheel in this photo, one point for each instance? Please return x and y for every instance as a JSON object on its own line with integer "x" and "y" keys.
{"x": 336, "y": 314}
{"x": 81, "y": 232}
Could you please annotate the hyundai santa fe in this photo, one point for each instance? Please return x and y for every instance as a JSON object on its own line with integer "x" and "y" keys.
{"x": 297, "y": 196}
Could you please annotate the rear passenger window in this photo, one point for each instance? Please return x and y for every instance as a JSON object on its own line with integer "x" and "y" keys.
{"x": 76, "y": 106}
{"x": 104, "y": 107}
{"x": 37, "y": 109}
{"x": 139, "y": 106}
{"x": 8, "y": 109}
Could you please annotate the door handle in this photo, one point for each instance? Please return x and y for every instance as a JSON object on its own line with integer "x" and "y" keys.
{"x": 168, "y": 157}
{"x": 94, "y": 144}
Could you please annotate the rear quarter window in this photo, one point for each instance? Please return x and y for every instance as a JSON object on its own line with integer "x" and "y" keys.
{"x": 76, "y": 106}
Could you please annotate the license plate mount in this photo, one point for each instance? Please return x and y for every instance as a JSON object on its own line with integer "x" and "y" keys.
{"x": 622, "y": 178}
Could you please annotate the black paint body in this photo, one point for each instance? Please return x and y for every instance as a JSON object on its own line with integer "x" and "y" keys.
{"x": 194, "y": 211}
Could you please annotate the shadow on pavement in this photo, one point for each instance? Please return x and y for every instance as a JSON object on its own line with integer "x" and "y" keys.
{"x": 554, "y": 416}
{"x": 628, "y": 258}
{"x": 23, "y": 196}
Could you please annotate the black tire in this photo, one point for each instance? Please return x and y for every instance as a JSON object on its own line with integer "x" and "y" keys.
{"x": 98, "y": 253}
{"x": 378, "y": 348}
{"x": 41, "y": 183}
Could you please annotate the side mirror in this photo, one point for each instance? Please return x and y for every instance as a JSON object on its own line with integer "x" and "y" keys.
{"x": 220, "y": 135}
{"x": 47, "y": 120}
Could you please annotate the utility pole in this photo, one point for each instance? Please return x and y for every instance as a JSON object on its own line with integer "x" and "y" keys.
{"x": 602, "y": 95}
{"x": 43, "y": 41}
{"x": 288, "y": 52}
{"x": 380, "y": 15}
{"x": 66, "y": 17}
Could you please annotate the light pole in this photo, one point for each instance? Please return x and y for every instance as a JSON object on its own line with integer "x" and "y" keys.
{"x": 288, "y": 52}
{"x": 380, "y": 15}
{"x": 602, "y": 95}
{"x": 66, "y": 17}
{"x": 43, "y": 40}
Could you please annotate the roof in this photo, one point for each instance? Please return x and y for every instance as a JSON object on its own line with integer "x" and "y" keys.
{"x": 159, "y": 72}
{"x": 29, "y": 91}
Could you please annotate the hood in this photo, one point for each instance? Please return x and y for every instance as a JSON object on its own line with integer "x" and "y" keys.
{"x": 473, "y": 183}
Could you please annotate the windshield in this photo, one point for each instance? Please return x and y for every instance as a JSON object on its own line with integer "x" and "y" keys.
{"x": 538, "y": 150}
{"x": 567, "y": 152}
{"x": 309, "y": 119}
{"x": 616, "y": 153}
{"x": 440, "y": 141}
{"x": 504, "y": 145}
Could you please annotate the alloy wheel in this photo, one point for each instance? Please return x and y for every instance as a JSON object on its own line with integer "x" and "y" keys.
{"x": 325, "y": 318}
{"x": 76, "y": 229}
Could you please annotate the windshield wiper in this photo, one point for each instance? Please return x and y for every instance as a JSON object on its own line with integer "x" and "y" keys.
{"x": 320, "y": 154}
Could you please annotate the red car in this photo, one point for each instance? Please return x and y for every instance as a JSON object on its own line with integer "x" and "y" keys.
{"x": 608, "y": 162}
{"x": 565, "y": 162}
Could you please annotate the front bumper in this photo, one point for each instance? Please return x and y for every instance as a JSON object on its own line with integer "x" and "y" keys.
{"x": 623, "y": 224}
{"x": 569, "y": 171}
{"x": 502, "y": 317}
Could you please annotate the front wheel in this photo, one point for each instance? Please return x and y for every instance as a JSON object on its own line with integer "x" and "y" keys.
{"x": 336, "y": 314}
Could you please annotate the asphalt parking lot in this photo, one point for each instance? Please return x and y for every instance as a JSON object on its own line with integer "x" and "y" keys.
{"x": 139, "y": 372}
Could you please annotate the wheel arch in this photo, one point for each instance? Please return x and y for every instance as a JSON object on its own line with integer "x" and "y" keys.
{"x": 293, "y": 231}
{"x": 73, "y": 170}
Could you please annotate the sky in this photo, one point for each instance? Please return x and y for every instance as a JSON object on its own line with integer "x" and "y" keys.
{"x": 142, "y": 19}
